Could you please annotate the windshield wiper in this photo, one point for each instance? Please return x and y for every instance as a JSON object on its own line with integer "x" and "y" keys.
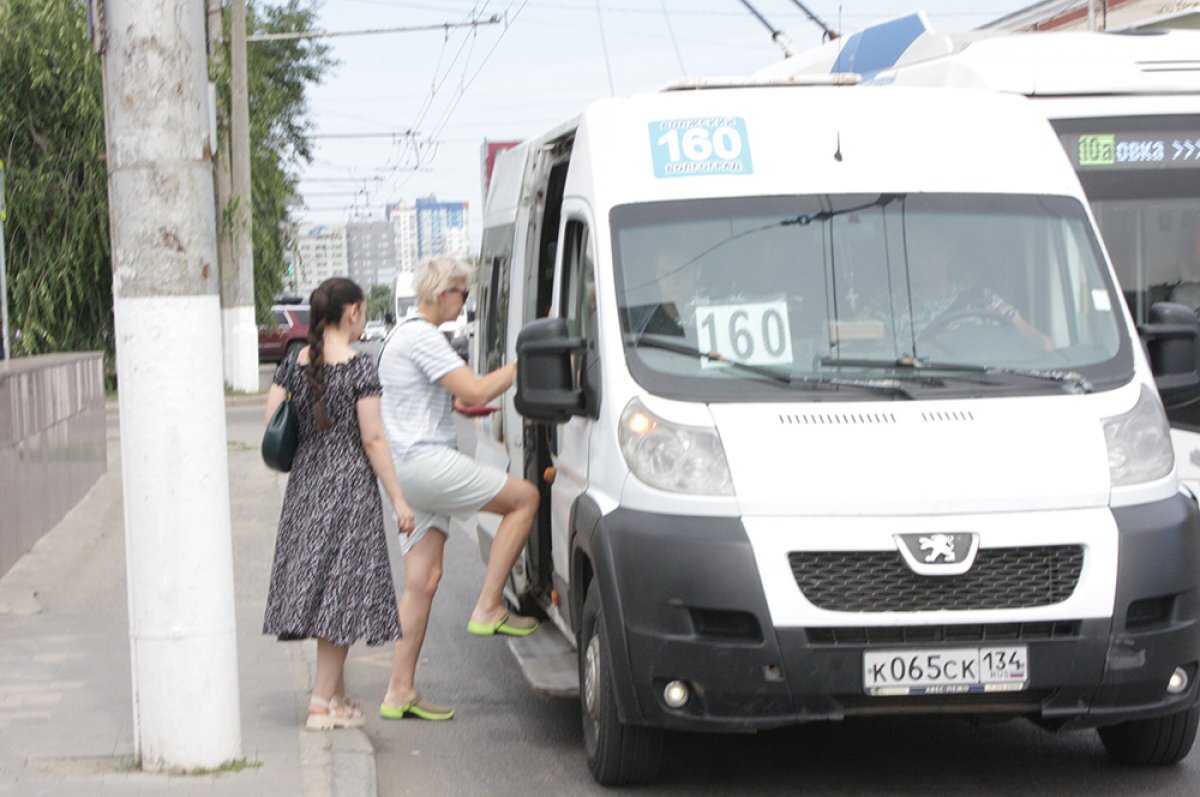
{"x": 1076, "y": 381}
{"x": 889, "y": 387}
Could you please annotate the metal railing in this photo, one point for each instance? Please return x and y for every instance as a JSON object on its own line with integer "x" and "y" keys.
{"x": 52, "y": 443}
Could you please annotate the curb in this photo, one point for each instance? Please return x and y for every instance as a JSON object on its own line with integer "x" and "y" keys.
{"x": 112, "y": 407}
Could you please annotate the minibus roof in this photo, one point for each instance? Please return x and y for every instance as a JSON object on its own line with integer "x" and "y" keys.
{"x": 780, "y": 140}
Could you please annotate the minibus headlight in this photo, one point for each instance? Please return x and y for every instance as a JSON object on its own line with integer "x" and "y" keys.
{"x": 670, "y": 456}
{"x": 1139, "y": 443}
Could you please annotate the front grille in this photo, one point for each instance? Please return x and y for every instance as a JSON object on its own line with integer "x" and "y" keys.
{"x": 880, "y": 581}
{"x": 867, "y": 636}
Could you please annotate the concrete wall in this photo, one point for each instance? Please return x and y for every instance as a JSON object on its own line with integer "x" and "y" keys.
{"x": 52, "y": 443}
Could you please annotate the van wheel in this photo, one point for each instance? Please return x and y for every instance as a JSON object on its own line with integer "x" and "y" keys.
{"x": 617, "y": 754}
{"x": 1158, "y": 741}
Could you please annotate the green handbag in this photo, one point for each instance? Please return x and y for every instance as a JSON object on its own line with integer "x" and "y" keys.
{"x": 283, "y": 430}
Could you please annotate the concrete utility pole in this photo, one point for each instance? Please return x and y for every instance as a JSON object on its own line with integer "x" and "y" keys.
{"x": 174, "y": 465}
{"x": 218, "y": 53}
{"x": 5, "y": 350}
{"x": 237, "y": 271}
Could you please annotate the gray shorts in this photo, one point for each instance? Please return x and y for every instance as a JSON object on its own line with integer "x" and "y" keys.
{"x": 442, "y": 483}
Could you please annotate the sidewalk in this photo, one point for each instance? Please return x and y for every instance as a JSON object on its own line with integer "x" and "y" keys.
{"x": 65, "y": 691}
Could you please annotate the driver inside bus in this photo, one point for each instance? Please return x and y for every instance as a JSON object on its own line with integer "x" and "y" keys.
{"x": 942, "y": 290}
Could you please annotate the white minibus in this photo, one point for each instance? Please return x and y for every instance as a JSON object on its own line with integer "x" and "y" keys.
{"x": 836, "y": 410}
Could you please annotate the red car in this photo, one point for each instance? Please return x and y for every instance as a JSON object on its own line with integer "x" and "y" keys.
{"x": 289, "y": 329}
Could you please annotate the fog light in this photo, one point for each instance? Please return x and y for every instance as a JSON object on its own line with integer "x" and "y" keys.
{"x": 1176, "y": 686}
{"x": 676, "y": 694}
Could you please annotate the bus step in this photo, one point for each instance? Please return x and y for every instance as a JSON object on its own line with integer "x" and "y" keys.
{"x": 548, "y": 661}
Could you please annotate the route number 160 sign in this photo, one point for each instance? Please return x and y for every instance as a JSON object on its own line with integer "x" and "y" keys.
{"x": 754, "y": 333}
{"x": 703, "y": 146}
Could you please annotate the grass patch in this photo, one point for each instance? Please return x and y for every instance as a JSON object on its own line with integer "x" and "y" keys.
{"x": 236, "y": 765}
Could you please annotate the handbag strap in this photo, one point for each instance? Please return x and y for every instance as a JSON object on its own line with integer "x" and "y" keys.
{"x": 287, "y": 378}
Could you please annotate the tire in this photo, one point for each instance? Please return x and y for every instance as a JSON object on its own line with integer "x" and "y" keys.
{"x": 617, "y": 754}
{"x": 1153, "y": 742}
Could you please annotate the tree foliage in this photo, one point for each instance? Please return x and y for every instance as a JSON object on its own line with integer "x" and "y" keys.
{"x": 379, "y": 302}
{"x": 52, "y": 144}
{"x": 280, "y": 73}
{"x": 53, "y": 147}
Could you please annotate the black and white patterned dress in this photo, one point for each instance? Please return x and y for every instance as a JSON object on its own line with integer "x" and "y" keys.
{"x": 332, "y": 578}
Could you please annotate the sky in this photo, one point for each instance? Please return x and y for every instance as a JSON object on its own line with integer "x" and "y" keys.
{"x": 403, "y": 115}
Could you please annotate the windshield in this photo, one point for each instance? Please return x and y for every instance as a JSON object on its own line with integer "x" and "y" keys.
{"x": 840, "y": 295}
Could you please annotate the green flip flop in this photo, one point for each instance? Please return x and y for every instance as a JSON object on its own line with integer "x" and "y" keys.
{"x": 508, "y": 625}
{"x": 419, "y": 708}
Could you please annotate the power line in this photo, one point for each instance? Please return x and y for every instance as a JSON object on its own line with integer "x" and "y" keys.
{"x": 671, "y": 31}
{"x": 612, "y": 92}
{"x": 325, "y": 34}
{"x": 464, "y": 86}
{"x": 395, "y": 134}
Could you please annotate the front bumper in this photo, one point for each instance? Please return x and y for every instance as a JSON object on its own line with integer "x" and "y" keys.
{"x": 683, "y": 600}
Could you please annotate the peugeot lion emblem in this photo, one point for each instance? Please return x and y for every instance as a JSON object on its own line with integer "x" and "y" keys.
{"x": 939, "y": 553}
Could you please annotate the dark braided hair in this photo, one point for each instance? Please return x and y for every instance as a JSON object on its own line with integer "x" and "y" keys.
{"x": 326, "y": 306}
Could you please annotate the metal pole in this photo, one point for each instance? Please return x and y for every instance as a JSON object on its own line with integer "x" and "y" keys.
{"x": 777, "y": 36}
{"x": 237, "y": 281}
{"x": 217, "y": 53}
{"x": 829, "y": 33}
{"x": 5, "y": 345}
{"x": 174, "y": 464}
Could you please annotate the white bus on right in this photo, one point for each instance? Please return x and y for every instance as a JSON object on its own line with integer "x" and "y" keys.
{"x": 1126, "y": 107}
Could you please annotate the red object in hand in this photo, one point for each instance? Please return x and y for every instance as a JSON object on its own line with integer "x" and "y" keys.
{"x": 475, "y": 410}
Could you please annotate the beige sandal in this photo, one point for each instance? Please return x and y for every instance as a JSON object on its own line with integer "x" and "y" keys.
{"x": 335, "y": 713}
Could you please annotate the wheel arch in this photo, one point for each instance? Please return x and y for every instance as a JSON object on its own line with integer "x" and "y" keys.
{"x": 592, "y": 561}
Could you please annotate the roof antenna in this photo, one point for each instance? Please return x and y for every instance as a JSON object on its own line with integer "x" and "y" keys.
{"x": 837, "y": 155}
{"x": 777, "y": 36}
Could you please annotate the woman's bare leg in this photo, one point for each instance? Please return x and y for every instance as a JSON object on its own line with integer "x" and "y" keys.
{"x": 330, "y": 660}
{"x": 518, "y": 502}
{"x": 422, "y": 572}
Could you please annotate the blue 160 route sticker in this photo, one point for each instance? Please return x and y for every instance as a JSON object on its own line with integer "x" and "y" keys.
{"x": 703, "y": 146}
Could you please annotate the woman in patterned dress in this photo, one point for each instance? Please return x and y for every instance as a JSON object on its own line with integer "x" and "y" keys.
{"x": 331, "y": 578}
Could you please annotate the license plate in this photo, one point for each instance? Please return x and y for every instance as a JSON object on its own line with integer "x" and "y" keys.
{"x": 945, "y": 671}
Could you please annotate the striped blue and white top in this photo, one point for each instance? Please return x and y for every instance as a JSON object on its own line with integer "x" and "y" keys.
{"x": 417, "y": 411}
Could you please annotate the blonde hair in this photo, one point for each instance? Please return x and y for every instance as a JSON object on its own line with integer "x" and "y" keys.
{"x": 436, "y": 275}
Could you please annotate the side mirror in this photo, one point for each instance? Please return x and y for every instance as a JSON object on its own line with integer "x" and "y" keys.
{"x": 461, "y": 345}
{"x": 1172, "y": 341}
{"x": 546, "y": 388}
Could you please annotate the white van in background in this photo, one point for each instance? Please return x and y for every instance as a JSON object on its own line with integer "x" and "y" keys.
{"x": 1126, "y": 108}
{"x": 836, "y": 410}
